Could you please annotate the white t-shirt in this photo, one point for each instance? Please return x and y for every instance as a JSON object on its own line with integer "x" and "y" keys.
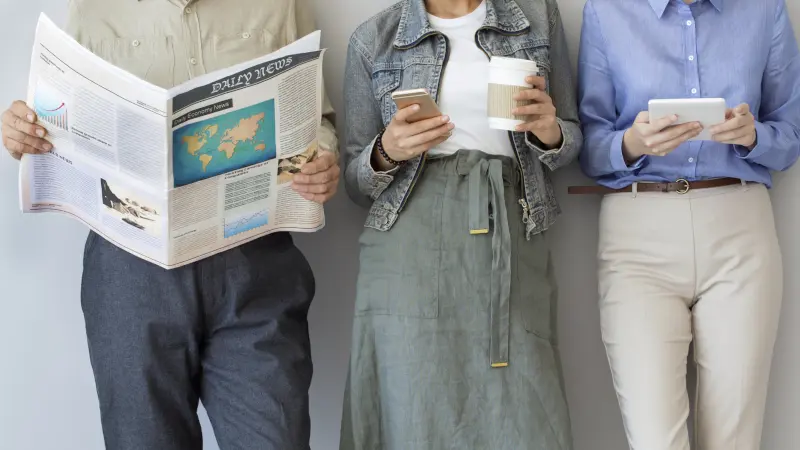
{"x": 464, "y": 89}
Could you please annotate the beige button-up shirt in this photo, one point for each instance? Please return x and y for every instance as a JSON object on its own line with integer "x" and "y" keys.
{"x": 168, "y": 42}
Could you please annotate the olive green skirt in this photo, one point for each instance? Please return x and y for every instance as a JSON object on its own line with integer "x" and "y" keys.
{"x": 454, "y": 334}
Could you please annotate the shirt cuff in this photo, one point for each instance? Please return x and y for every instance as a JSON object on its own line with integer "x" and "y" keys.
{"x": 327, "y": 138}
{"x": 763, "y": 144}
{"x": 618, "y": 163}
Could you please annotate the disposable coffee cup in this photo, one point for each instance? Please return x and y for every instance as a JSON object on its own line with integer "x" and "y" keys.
{"x": 507, "y": 79}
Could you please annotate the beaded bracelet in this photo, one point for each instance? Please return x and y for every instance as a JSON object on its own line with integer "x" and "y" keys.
{"x": 382, "y": 152}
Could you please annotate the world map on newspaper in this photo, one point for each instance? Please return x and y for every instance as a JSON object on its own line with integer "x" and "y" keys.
{"x": 224, "y": 143}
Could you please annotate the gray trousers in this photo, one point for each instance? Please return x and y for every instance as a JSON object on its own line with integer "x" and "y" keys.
{"x": 230, "y": 330}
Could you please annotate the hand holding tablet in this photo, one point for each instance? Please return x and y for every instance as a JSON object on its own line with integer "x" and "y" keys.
{"x": 705, "y": 111}
{"x": 739, "y": 128}
{"x": 670, "y": 122}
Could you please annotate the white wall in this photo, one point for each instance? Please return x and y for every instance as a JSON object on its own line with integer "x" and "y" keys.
{"x": 47, "y": 398}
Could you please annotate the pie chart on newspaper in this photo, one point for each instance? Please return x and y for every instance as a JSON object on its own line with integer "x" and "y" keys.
{"x": 224, "y": 143}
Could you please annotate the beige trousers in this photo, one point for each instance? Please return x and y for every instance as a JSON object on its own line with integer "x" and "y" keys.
{"x": 704, "y": 267}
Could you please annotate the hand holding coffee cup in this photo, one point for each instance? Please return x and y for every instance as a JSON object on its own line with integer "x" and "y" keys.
{"x": 518, "y": 100}
{"x": 540, "y": 113}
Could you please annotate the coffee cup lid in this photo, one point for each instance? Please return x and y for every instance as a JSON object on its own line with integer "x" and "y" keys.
{"x": 501, "y": 62}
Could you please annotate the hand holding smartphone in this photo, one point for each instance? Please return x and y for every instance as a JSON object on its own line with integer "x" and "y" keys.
{"x": 417, "y": 127}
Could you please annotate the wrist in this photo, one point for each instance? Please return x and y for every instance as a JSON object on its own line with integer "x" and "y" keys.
{"x": 550, "y": 139}
{"x": 380, "y": 160}
{"x": 628, "y": 154}
{"x": 755, "y": 141}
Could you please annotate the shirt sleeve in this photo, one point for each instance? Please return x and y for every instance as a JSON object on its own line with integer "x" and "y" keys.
{"x": 778, "y": 125}
{"x": 602, "y": 154}
{"x": 562, "y": 90}
{"x": 327, "y": 132}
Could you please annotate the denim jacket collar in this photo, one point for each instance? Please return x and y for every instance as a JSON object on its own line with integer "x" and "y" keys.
{"x": 505, "y": 16}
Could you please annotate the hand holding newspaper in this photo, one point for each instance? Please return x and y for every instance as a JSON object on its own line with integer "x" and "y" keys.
{"x": 174, "y": 176}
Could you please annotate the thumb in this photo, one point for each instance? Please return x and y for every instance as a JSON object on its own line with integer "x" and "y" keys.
{"x": 643, "y": 117}
{"x": 742, "y": 110}
{"x": 323, "y": 161}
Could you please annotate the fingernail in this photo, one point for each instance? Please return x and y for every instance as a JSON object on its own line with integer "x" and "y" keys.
{"x": 674, "y": 117}
{"x": 450, "y": 126}
{"x": 518, "y": 128}
{"x": 40, "y": 132}
{"x": 445, "y": 118}
{"x": 30, "y": 117}
{"x": 47, "y": 147}
{"x": 414, "y": 107}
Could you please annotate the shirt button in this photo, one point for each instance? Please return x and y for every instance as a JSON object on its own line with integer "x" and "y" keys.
{"x": 135, "y": 43}
{"x": 245, "y": 35}
{"x": 691, "y": 160}
{"x": 187, "y": 11}
{"x": 688, "y": 23}
{"x": 193, "y": 61}
{"x": 694, "y": 91}
{"x": 691, "y": 57}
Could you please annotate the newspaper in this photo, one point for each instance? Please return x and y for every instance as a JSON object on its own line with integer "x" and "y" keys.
{"x": 174, "y": 176}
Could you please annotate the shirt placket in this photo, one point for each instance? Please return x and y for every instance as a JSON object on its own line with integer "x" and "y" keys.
{"x": 691, "y": 76}
{"x": 194, "y": 47}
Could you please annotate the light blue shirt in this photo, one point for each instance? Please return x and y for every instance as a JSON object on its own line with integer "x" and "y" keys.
{"x": 744, "y": 51}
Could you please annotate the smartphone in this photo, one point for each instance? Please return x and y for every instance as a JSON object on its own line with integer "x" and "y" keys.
{"x": 421, "y": 97}
{"x": 707, "y": 111}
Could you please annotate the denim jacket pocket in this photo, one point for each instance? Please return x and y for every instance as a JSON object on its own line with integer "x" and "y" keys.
{"x": 384, "y": 83}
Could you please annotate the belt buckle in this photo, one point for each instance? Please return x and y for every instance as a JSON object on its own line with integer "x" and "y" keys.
{"x": 687, "y": 187}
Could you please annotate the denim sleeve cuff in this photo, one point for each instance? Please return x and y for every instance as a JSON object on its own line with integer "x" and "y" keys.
{"x": 372, "y": 183}
{"x": 561, "y": 156}
{"x": 763, "y": 144}
{"x": 618, "y": 163}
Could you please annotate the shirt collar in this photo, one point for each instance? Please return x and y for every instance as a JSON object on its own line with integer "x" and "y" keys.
{"x": 504, "y": 16}
{"x": 659, "y": 6}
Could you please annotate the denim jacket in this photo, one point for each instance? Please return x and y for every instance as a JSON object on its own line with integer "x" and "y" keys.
{"x": 398, "y": 49}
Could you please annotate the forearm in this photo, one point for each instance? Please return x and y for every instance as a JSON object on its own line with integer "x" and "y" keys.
{"x": 562, "y": 91}
{"x": 778, "y": 126}
{"x": 363, "y": 123}
{"x": 777, "y": 147}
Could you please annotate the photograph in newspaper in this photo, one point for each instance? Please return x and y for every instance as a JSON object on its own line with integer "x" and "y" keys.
{"x": 287, "y": 167}
{"x": 125, "y": 207}
{"x": 227, "y": 142}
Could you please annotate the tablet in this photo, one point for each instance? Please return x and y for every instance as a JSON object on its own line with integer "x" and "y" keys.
{"x": 707, "y": 111}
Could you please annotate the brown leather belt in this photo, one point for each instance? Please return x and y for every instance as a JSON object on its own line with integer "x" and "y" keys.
{"x": 680, "y": 186}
